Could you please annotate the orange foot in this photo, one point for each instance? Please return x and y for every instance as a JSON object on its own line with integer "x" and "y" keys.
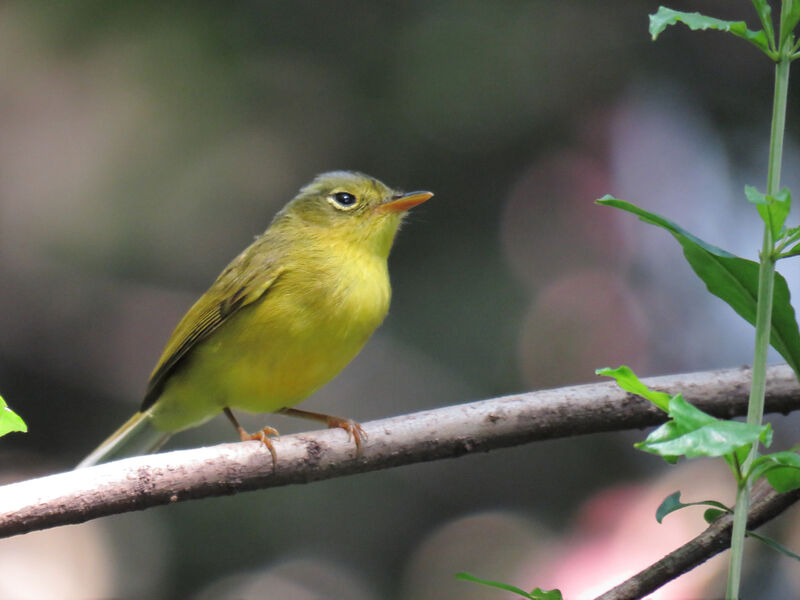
{"x": 353, "y": 429}
{"x": 262, "y": 435}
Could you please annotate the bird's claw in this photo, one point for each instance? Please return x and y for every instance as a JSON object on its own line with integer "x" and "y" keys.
{"x": 353, "y": 429}
{"x": 263, "y": 436}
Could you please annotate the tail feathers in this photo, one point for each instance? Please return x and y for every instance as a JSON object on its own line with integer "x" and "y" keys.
{"x": 137, "y": 436}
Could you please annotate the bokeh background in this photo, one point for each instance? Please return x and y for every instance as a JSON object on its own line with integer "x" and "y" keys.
{"x": 143, "y": 144}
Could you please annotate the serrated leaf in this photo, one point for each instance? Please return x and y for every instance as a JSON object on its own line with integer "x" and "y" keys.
{"x": 673, "y": 502}
{"x": 9, "y": 420}
{"x": 773, "y": 544}
{"x": 536, "y": 594}
{"x": 696, "y": 21}
{"x": 731, "y": 278}
{"x": 628, "y": 381}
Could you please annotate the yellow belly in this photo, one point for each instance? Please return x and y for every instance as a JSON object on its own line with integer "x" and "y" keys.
{"x": 277, "y": 351}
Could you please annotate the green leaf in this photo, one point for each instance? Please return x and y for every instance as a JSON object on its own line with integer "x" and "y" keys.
{"x": 669, "y": 504}
{"x": 668, "y": 431}
{"x": 494, "y": 584}
{"x": 688, "y": 417}
{"x": 792, "y": 234}
{"x": 794, "y": 251}
{"x": 673, "y": 502}
{"x": 9, "y": 420}
{"x": 540, "y": 594}
{"x": 716, "y": 439}
{"x": 772, "y": 209}
{"x": 792, "y": 18}
{"x": 691, "y": 433}
{"x": 712, "y": 514}
{"x": 765, "y": 14}
{"x": 731, "y": 278}
{"x": 782, "y": 472}
{"x": 695, "y": 21}
{"x": 536, "y": 594}
{"x": 781, "y": 203}
{"x": 767, "y": 462}
{"x": 737, "y": 458}
{"x": 762, "y": 204}
{"x": 773, "y": 544}
{"x": 754, "y": 196}
{"x": 628, "y": 381}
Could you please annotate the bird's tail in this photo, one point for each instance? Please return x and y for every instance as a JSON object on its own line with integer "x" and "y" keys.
{"x": 136, "y": 436}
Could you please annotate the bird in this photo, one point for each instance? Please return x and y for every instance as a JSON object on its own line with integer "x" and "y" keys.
{"x": 282, "y": 319}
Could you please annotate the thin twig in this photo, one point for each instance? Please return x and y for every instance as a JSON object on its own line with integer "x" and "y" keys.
{"x": 141, "y": 482}
{"x": 766, "y": 504}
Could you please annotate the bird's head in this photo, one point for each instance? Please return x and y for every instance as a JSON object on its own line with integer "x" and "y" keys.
{"x": 351, "y": 207}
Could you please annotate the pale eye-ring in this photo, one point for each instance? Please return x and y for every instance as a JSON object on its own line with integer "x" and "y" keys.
{"x": 343, "y": 200}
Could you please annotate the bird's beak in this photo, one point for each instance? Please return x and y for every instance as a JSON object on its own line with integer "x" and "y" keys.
{"x": 406, "y": 201}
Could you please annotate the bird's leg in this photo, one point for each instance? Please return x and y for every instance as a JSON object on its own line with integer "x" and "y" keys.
{"x": 261, "y": 435}
{"x": 352, "y": 428}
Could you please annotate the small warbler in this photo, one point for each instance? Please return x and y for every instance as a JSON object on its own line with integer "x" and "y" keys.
{"x": 281, "y": 320}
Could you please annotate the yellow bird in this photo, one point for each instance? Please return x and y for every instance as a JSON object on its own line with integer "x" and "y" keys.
{"x": 281, "y": 320}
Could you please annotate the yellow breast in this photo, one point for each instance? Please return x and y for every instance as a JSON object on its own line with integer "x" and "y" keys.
{"x": 281, "y": 348}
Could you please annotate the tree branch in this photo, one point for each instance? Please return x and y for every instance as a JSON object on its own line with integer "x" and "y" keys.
{"x": 766, "y": 504}
{"x": 141, "y": 482}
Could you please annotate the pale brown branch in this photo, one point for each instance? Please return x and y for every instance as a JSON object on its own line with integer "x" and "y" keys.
{"x": 141, "y": 482}
{"x": 766, "y": 504}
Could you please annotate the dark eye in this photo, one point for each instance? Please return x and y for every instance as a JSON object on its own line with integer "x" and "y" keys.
{"x": 344, "y": 198}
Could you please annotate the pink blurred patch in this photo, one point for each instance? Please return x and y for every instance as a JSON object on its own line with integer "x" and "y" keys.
{"x": 580, "y": 322}
{"x": 550, "y": 222}
{"x": 615, "y": 535}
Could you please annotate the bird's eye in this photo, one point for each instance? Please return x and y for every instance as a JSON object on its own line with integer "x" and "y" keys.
{"x": 344, "y": 199}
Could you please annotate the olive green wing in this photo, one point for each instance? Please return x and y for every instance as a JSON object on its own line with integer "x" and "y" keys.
{"x": 246, "y": 279}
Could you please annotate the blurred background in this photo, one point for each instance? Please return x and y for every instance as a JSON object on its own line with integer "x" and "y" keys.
{"x": 143, "y": 145}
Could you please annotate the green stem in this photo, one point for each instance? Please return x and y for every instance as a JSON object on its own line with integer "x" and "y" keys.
{"x": 778, "y": 125}
{"x": 737, "y": 539}
{"x": 766, "y": 283}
